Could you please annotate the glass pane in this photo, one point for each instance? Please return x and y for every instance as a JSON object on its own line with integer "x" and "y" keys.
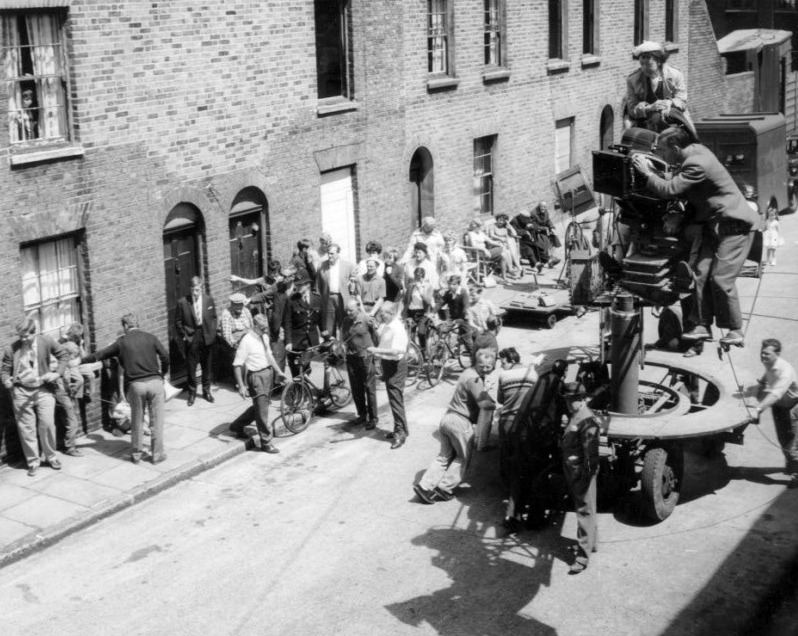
{"x": 67, "y": 267}
{"x": 48, "y": 271}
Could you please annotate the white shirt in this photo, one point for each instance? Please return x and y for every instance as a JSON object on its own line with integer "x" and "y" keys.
{"x": 251, "y": 352}
{"x": 393, "y": 336}
{"x": 335, "y": 277}
{"x": 198, "y": 309}
{"x": 780, "y": 380}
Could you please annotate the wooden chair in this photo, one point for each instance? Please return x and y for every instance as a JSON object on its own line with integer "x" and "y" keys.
{"x": 479, "y": 266}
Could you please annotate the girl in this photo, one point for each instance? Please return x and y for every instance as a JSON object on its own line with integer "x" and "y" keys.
{"x": 772, "y": 238}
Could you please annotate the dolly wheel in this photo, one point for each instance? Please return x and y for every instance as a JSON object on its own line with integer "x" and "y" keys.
{"x": 551, "y": 321}
{"x": 661, "y": 480}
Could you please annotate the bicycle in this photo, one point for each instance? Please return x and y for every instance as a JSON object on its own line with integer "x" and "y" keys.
{"x": 448, "y": 339}
{"x": 302, "y": 398}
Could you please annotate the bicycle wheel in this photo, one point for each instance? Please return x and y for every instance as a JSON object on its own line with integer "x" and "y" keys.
{"x": 415, "y": 364}
{"x": 338, "y": 390}
{"x": 296, "y": 406}
{"x": 436, "y": 363}
{"x": 463, "y": 354}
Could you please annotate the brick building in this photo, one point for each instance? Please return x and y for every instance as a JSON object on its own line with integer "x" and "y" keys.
{"x": 167, "y": 138}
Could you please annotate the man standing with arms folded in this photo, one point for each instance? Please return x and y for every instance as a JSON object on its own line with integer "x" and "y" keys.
{"x": 725, "y": 221}
{"x": 779, "y": 392}
{"x": 254, "y": 358}
{"x": 139, "y": 353}
{"x": 332, "y": 281}
{"x": 25, "y": 372}
{"x": 359, "y": 337}
{"x": 392, "y": 350}
{"x": 196, "y": 324}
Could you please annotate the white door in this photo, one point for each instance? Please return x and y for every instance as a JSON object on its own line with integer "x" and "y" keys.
{"x": 338, "y": 211}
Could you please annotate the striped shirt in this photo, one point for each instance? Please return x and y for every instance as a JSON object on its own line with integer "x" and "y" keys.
{"x": 513, "y": 386}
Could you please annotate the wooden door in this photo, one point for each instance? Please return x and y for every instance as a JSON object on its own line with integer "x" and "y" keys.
{"x": 338, "y": 211}
{"x": 181, "y": 263}
{"x": 246, "y": 259}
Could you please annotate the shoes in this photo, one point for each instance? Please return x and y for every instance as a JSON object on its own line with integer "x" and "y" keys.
{"x": 791, "y": 485}
{"x": 73, "y": 452}
{"x": 390, "y": 435}
{"x": 208, "y": 397}
{"x": 578, "y": 566}
{"x": 357, "y": 421}
{"x": 239, "y": 433}
{"x": 372, "y": 424}
{"x": 732, "y": 337}
{"x": 443, "y": 495}
{"x": 136, "y": 458}
{"x": 698, "y": 333}
{"x": 426, "y": 496}
{"x": 54, "y": 463}
{"x": 692, "y": 352}
{"x": 270, "y": 448}
{"x": 191, "y": 398}
{"x": 159, "y": 459}
{"x": 553, "y": 262}
{"x": 684, "y": 281}
{"x": 540, "y": 266}
{"x": 32, "y": 470}
{"x": 398, "y": 442}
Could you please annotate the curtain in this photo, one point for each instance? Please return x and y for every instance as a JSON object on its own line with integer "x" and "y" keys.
{"x": 9, "y": 41}
{"x": 44, "y": 34}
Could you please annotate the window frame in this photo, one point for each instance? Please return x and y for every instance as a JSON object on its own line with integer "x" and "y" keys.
{"x": 642, "y": 19}
{"x": 345, "y": 51}
{"x": 494, "y": 26}
{"x": 51, "y": 147}
{"x": 671, "y": 21}
{"x": 591, "y": 17}
{"x": 78, "y": 294}
{"x": 570, "y": 123}
{"x": 558, "y": 49}
{"x": 446, "y": 34}
{"x": 484, "y": 199}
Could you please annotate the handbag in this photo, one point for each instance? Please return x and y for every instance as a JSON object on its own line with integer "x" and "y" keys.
{"x": 489, "y": 281}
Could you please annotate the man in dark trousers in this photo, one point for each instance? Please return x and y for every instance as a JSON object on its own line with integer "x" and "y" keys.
{"x": 332, "y": 281}
{"x": 725, "y": 221}
{"x": 25, "y": 372}
{"x": 139, "y": 354}
{"x": 359, "y": 336}
{"x": 196, "y": 325}
{"x": 301, "y": 322}
{"x": 580, "y": 459}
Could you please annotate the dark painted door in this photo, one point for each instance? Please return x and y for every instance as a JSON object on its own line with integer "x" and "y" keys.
{"x": 180, "y": 257}
{"x": 245, "y": 249}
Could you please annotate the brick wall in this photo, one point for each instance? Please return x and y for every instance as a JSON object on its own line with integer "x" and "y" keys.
{"x": 178, "y": 101}
{"x": 707, "y": 84}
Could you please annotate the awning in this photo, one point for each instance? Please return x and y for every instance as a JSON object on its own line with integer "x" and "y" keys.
{"x": 752, "y": 39}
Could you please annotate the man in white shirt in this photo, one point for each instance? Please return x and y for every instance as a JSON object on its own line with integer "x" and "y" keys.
{"x": 779, "y": 391}
{"x": 392, "y": 350}
{"x": 254, "y": 357}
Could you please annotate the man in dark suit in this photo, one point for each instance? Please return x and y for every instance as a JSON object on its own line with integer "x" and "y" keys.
{"x": 301, "y": 321}
{"x": 726, "y": 225}
{"x": 196, "y": 324}
{"x": 332, "y": 281}
{"x": 25, "y": 372}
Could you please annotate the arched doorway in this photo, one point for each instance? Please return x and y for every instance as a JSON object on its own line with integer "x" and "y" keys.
{"x": 182, "y": 257}
{"x": 423, "y": 186}
{"x": 606, "y": 128}
{"x": 250, "y": 238}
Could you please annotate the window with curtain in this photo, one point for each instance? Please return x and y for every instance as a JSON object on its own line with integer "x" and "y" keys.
{"x": 439, "y": 37}
{"x": 483, "y": 174}
{"x": 333, "y": 50}
{"x": 50, "y": 284}
{"x": 34, "y": 70}
{"x": 563, "y": 145}
{"x": 494, "y": 32}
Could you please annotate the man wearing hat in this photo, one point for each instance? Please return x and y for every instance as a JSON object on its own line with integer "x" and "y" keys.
{"x": 301, "y": 321}
{"x": 428, "y": 235}
{"x": 656, "y": 95}
{"x": 236, "y": 320}
{"x": 580, "y": 457}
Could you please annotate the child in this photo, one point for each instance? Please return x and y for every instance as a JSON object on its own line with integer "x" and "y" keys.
{"x": 772, "y": 238}
{"x": 420, "y": 302}
{"x": 454, "y": 307}
{"x": 483, "y": 318}
{"x": 74, "y": 334}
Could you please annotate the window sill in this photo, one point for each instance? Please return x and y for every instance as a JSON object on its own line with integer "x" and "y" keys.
{"x": 495, "y": 75}
{"x": 22, "y": 157}
{"x": 442, "y": 83}
{"x": 557, "y": 66}
{"x": 671, "y": 47}
{"x": 590, "y": 60}
{"x": 334, "y": 105}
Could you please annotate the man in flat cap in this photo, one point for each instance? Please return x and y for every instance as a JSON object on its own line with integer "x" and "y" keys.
{"x": 580, "y": 456}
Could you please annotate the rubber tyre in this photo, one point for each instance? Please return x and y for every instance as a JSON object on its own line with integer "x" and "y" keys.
{"x": 340, "y": 394}
{"x": 436, "y": 363}
{"x": 551, "y": 320}
{"x": 793, "y": 200}
{"x": 415, "y": 364}
{"x": 661, "y": 480}
{"x": 296, "y": 407}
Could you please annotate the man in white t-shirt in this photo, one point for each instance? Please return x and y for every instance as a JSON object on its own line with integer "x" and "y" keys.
{"x": 392, "y": 350}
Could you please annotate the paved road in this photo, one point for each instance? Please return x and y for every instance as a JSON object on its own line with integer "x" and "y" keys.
{"x": 327, "y": 538}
